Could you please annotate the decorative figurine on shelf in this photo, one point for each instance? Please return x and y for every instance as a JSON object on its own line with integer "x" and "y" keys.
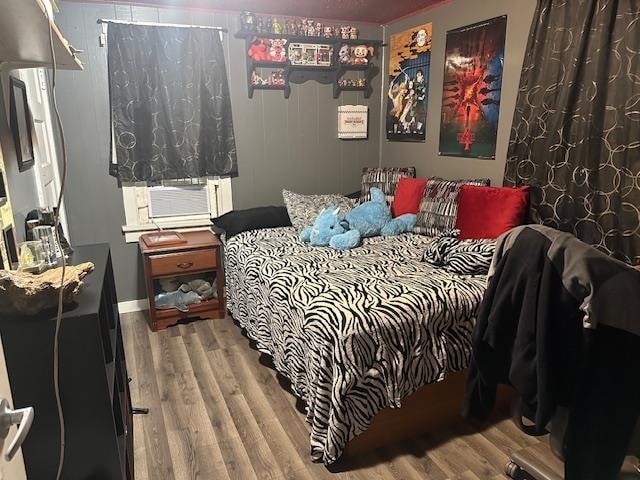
{"x": 259, "y": 49}
{"x": 361, "y": 54}
{"x": 268, "y": 26}
{"x": 277, "y": 52}
{"x": 353, "y": 33}
{"x": 352, "y": 82}
{"x": 247, "y": 22}
{"x": 344, "y": 54}
{"x": 303, "y": 27}
{"x": 289, "y": 27}
{"x": 300, "y": 27}
{"x": 277, "y": 78}
{"x": 276, "y": 27}
{"x": 311, "y": 28}
{"x": 256, "y": 79}
{"x": 319, "y": 29}
{"x": 260, "y": 25}
{"x": 345, "y": 31}
{"x": 328, "y": 31}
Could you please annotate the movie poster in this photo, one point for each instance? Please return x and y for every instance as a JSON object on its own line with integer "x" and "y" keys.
{"x": 409, "y": 60}
{"x": 474, "y": 60}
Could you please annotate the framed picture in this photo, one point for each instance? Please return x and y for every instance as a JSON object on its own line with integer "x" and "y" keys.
{"x": 21, "y": 124}
{"x": 352, "y": 121}
{"x": 409, "y": 61}
{"x": 474, "y": 59}
{"x": 3, "y": 189}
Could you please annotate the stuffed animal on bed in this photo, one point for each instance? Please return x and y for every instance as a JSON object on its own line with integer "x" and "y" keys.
{"x": 369, "y": 219}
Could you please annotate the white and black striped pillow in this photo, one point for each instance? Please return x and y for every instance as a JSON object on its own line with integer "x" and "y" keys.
{"x": 463, "y": 257}
{"x": 439, "y": 206}
{"x": 385, "y": 178}
{"x": 304, "y": 209}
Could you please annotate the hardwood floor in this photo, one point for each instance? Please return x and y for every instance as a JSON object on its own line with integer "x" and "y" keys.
{"x": 216, "y": 412}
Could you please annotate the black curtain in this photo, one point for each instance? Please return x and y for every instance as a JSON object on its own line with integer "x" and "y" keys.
{"x": 576, "y": 131}
{"x": 170, "y": 104}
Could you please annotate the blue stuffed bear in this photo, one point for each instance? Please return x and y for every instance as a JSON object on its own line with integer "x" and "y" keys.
{"x": 369, "y": 219}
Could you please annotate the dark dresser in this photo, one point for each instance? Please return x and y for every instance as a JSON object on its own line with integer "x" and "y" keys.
{"x": 93, "y": 380}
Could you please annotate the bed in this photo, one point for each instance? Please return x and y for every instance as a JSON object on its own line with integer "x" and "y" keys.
{"x": 353, "y": 331}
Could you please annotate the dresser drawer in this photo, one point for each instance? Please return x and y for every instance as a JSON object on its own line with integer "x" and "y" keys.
{"x": 180, "y": 263}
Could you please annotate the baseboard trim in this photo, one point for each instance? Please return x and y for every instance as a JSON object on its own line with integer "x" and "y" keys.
{"x": 133, "y": 305}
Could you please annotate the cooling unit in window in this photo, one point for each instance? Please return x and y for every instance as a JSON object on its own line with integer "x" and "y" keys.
{"x": 180, "y": 201}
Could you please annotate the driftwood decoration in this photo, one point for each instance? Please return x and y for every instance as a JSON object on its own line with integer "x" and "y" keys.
{"x": 28, "y": 294}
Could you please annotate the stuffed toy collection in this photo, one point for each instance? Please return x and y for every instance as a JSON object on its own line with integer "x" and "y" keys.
{"x": 268, "y": 50}
{"x": 346, "y": 231}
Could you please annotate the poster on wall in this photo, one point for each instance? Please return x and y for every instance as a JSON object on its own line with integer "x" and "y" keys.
{"x": 409, "y": 60}
{"x": 474, "y": 59}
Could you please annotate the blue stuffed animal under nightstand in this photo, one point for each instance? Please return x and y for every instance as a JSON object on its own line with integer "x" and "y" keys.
{"x": 369, "y": 219}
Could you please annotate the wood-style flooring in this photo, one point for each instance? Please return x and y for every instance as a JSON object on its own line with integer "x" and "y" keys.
{"x": 216, "y": 412}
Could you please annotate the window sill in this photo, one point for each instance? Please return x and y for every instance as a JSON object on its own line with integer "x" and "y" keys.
{"x": 132, "y": 233}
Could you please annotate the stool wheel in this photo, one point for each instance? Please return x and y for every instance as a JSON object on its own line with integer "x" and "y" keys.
{"x": 513, "y": 470}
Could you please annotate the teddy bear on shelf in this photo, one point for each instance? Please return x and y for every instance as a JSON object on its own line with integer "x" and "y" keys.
{"x": 361, "y": 54}
{"x": 277, "y": 52}
{"x": 369, "y": 219}
{"x": 259, "y": 50}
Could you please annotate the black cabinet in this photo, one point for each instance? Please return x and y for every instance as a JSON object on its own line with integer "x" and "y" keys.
{"x": 93, "y": 380}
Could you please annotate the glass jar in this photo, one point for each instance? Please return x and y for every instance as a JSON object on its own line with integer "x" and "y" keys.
{"x": 32, "y": 257}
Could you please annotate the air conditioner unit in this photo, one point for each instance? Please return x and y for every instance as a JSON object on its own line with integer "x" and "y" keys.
{"x": 187, "y": 200}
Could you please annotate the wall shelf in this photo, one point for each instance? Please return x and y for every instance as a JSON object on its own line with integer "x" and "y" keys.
{"x": 370, "y": 71}
{"x": 24, "y": 37}
{"x": 325, "y": 74}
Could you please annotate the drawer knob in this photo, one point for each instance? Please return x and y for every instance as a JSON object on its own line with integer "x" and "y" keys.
{"x": 185, "y": 265}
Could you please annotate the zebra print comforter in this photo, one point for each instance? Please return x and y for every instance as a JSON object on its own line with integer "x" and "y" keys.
{"x": 354, "y": 331}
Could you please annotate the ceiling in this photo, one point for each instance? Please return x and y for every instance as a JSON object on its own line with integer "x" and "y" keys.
{"x": 379, "y": 12}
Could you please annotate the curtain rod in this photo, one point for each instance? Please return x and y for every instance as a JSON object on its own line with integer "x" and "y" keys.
{"x": 154, "y": 24}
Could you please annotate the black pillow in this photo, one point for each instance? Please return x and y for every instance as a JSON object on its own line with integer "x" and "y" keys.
{"x": 238, "y": 221}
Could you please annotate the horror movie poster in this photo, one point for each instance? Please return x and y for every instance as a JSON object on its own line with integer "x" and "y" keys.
{"x": 409, "y": 60}
{"x": 474, "y": 60}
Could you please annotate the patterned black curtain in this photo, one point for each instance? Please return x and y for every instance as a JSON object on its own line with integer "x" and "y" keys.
{"x": 170, "y": 105}
{"x": 576, "y": 131}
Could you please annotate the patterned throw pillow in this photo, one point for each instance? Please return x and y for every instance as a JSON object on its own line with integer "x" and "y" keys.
{"x": 385, "y": 178}
{"x": 303, "y": 209}
{"x": 439, "y": 206}
{"x": 462, "y": 257}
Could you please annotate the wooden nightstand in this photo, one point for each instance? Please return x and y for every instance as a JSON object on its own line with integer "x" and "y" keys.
{"x": 199, "y": 256}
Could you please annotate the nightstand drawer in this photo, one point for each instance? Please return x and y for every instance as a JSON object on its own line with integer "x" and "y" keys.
{"x": 179, "y": 263}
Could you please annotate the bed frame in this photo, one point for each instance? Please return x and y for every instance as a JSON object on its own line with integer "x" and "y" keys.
{"x": 431, "y": 407}
{"x": 444, "y": 401}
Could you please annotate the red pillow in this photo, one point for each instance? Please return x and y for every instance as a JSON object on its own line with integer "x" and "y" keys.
{"x": 407, "y": 196}
{"x": 488, "y": 212}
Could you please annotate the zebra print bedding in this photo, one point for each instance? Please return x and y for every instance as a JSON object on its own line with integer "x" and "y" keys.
{"x": 464, "y": 257}
{"x": 354, "y": 331}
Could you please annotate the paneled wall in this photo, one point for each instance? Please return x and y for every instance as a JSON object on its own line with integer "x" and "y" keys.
{"x": 282, "y": 143}
{"x": 454, "y": 14}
